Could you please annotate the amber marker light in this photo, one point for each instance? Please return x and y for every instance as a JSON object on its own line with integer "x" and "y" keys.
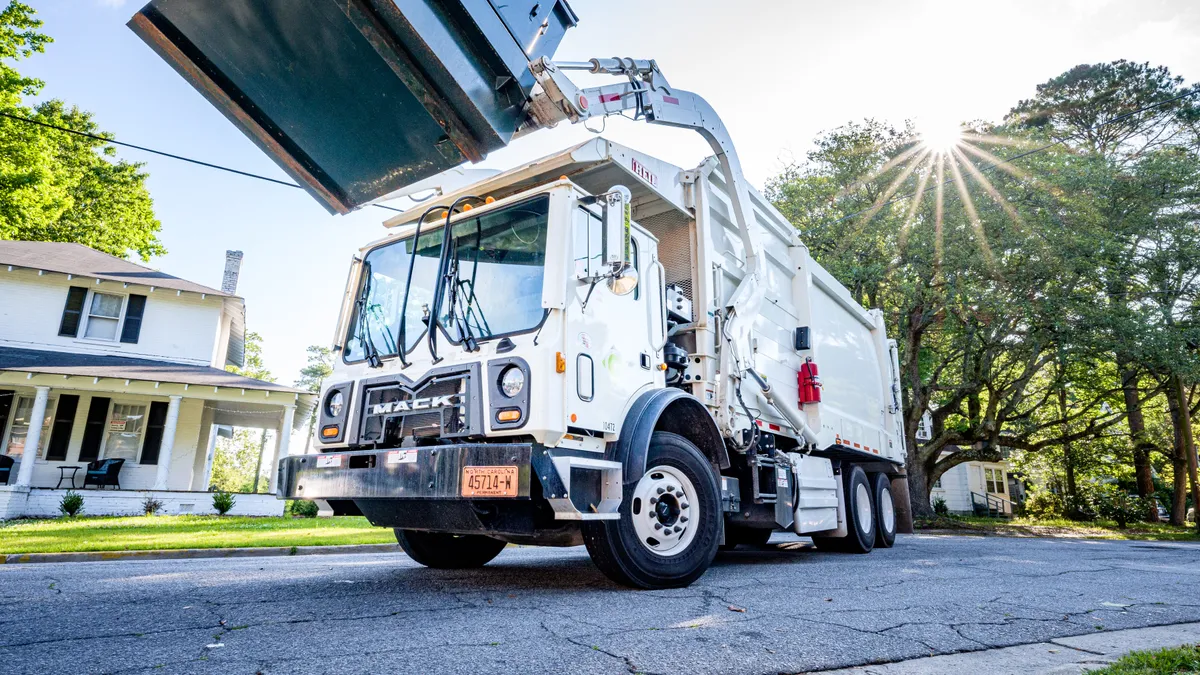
{"x": 560, "y": 362}
{"x": 489, "y": 199}
{"x": 330, "y": 431}
{"x": 508, "y": 415}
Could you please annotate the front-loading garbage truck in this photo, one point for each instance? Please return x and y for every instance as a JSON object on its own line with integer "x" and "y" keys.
{"x": 594, "y": 348}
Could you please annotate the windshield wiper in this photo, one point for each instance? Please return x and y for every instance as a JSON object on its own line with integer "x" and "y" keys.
{"x": 401, "y": 332}
{"x": 443, "y": 273}
{"x": 370, "y": 351}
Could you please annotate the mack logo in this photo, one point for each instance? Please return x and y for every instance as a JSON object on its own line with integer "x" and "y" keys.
{"x": 429, "y": 403}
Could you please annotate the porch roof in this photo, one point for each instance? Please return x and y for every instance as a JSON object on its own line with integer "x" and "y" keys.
{"x": 124, "y": 368}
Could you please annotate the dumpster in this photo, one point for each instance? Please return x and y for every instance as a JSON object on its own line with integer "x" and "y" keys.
{"x": 356, "y": 99}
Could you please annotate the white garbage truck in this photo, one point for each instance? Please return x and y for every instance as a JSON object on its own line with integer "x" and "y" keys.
{"x": 594, "y": 348}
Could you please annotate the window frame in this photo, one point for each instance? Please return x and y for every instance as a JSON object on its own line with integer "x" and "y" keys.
{"x": 87, "y": 316}
{"x": 993, "y": 477}
{"x": 47, "y": 426}
{"x": 136, "y": 459}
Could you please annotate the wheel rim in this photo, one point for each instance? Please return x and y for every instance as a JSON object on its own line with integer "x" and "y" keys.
{"x": 664, "y": 510}
{"x": 887, "y": 511}
{"x": 862, "y": 499}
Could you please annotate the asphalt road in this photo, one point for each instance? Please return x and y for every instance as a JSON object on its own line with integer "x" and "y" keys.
{"x": 548, "y": 610}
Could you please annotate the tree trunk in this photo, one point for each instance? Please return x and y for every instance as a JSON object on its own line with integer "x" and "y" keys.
{"x": 1182, "y": 426}
{"x": 1142, "y": 446}
{"x": 1189, "y": 448}
{"x": 1071, "y": 503}
{"x": 919, "y": 484}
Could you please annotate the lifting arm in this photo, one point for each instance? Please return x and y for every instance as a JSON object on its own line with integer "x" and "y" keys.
{"x": 647, "y": 93}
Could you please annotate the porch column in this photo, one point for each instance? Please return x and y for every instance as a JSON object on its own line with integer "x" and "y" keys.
{"x": 33, "y": 438}
{"x": 281, "y": 445}
{"x": 209, "y": 456}
{"x": 168, "y": 444}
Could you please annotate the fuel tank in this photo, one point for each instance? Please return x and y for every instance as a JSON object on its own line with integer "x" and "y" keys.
{"x": 356, "y": 99}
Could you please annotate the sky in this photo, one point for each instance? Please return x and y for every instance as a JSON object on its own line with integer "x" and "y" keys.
{"x": 778, "y": 72}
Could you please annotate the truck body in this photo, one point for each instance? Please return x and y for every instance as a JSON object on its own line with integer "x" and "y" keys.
{"x": 597, "y": 347}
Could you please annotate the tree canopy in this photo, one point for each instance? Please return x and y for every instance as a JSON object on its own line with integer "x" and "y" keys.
{"x": 1042, "y": 306}
{"x": 57, "y": 186}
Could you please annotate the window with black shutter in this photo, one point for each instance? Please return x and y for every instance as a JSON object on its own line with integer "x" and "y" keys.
{"x": 6, "y": 402}
{"x": 60, "y": 433}
{"x": 155, "y": 421}
{"x": 134, "y": 308}
{"x": 93, "y": 432}
{"x": 73, "y": 312}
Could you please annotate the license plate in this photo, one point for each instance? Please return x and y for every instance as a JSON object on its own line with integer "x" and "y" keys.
{"x": 489, "y": 481}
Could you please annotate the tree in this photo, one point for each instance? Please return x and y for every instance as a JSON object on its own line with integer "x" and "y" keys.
{"x": 987, "y": 289}
{"x": 57, "y": 186}
{"x": 312, "y": 375}
{"x": 1139, "y": 122}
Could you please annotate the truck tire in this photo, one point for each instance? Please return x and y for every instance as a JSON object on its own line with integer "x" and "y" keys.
{"x": 668, "y": 543}
{"x": 735, "y": 536}
{"x": 448, "y": 551}
{"x": 885, "y": 511}
{"x": 860, "y": 516}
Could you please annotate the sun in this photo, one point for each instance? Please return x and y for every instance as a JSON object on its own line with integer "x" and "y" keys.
{"x": 939, "y": 135}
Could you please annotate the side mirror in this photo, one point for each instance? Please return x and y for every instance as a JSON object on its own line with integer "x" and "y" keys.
{"x": 618, "y": 223}
{"x": 623, "y": 280}
{"x": 618, "y": 220}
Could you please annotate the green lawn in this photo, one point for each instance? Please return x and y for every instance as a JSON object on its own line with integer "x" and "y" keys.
{"x": 1184, "y": 659}
{"x": 1058, "y": 527}
{"x": 133, "y": 533}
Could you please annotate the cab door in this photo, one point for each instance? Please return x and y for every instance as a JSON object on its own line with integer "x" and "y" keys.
{"x": 609, "y": 342}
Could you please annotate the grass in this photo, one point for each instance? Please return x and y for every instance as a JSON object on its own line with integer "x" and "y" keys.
{"x": 1058, "y": 527}
{"x": 134, "y": 533}
{"x": 1185, "y": 659}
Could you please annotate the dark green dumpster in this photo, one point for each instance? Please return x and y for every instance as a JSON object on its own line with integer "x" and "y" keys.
{"x": 358, "y": 98}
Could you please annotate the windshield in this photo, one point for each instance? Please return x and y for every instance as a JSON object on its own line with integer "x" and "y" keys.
{"x": 499, "y": 259}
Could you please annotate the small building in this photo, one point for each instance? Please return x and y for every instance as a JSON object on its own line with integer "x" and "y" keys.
{"x": 979, "y": 488}
{"x": 104, "y": 359}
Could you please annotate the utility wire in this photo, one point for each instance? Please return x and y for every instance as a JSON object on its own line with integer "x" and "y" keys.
{"x": 1009, "y": 160}
{"x": 152, "y": 151}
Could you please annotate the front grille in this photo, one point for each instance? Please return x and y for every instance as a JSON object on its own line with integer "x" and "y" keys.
{"x": 436, "y": 407}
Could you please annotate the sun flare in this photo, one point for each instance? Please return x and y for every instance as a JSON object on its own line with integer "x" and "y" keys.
{"x": 940, "y": 136}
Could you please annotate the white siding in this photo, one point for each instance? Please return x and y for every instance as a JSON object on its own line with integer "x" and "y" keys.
{"x": 959, "y": 482}
{"x": 181, "y": 328}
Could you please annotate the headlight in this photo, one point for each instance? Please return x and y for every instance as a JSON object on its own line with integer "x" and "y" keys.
{"x": 333, "y": 406}
{"x": 512, "y": 381}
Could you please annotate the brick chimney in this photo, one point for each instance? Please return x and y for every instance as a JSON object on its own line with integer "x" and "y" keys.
{"x": 233, "y": 266}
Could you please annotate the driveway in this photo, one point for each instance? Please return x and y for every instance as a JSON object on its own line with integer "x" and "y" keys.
{"x": 784, "y": 608}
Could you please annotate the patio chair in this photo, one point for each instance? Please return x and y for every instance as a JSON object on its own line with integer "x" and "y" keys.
{"x": 6, "y": 465}
{"x": 103, "y": 472}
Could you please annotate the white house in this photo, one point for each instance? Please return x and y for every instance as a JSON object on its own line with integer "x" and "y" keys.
{"x": 102, "y": 359}
{"x": 971, "y": 486}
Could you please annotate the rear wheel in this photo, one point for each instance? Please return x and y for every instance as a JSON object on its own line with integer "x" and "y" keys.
{"x": 860, "y": 515}
{"x": 668, "y": 531}
{"x": 885, "y": 511}
{"x": 449, "y": 551}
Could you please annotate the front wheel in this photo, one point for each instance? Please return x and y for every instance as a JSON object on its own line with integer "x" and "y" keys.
{"x": 669, "y": 527}
{"x": 448, "y": 551}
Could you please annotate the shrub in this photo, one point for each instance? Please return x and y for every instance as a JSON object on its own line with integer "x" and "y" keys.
{"x": 939, "y": 507}
{"x": 71, "y": 504}
{"x": 151, "y": 506}
{"x": 304, "y": 508}
{"x": 1043, "y": 504}
{"x": 223, "y": 501}
{"x": 1113, "y": 503}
